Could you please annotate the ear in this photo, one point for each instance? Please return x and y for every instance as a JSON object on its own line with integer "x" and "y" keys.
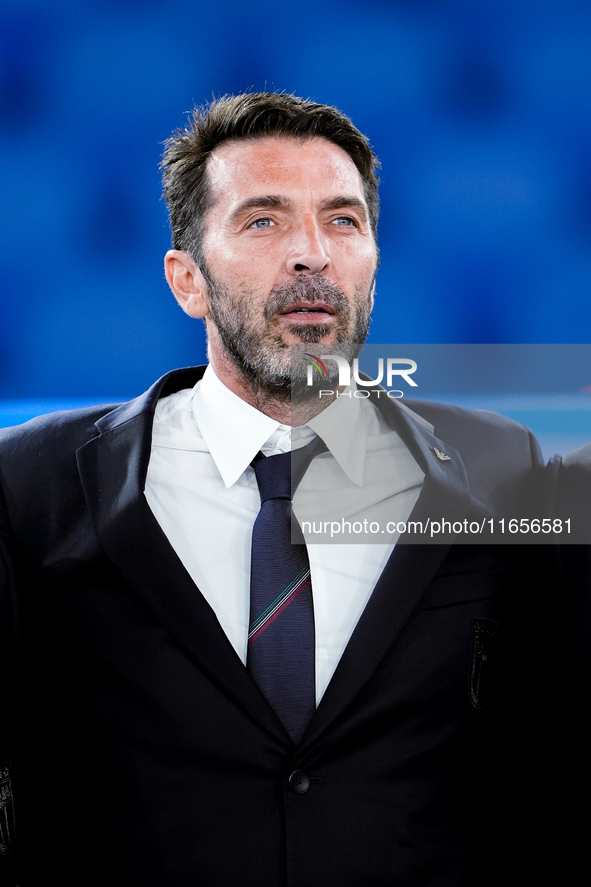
{"x": 186, "y": 282}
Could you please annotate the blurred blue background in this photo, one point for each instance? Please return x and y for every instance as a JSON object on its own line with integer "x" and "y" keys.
{"x": 480, "y": 112}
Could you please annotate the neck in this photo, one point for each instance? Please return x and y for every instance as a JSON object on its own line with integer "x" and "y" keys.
{"x": 281, "y": 408}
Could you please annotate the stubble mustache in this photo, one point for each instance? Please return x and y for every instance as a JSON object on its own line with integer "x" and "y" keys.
{"x": 307, "y": 289}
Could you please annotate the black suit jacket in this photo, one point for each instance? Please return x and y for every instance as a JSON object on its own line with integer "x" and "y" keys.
{"x": 569, "y": 685}
{"x": 141, "y": 751}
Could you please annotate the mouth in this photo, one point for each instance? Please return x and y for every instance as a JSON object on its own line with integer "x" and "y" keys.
{"x": 308, "y": 312}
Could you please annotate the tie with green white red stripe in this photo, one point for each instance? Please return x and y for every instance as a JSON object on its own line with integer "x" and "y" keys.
{"x": 281, "y": 641}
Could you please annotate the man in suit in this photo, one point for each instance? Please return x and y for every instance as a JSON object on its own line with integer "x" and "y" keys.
{"x": 154, "y": 733}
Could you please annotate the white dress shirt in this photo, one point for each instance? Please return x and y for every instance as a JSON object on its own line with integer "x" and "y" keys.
{"x": 203, "y": 492}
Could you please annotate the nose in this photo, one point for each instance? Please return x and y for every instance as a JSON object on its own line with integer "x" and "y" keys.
{"x": 307, "y": 251}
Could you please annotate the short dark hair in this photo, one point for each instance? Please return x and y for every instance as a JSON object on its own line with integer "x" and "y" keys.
{"x": 246, "y": 117}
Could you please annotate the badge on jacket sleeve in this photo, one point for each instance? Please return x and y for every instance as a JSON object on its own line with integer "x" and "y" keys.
{"x": 6, "y": 808}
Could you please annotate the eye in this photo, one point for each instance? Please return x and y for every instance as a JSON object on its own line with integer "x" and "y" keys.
{"x": 345, "y": 222}
{"x": 262, "y": 223}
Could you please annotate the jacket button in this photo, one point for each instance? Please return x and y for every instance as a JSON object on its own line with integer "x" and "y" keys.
{"x": 299, "y": 782}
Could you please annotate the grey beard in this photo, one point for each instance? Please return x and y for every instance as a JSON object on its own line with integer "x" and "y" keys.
{"x": 266, "y": 362}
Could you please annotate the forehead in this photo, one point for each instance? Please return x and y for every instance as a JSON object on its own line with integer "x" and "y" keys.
{"x": 242, "y": 169}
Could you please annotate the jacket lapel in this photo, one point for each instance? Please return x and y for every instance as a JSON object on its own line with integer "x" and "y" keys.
{"x": 408, "y": 573}
{"x": 113, "y": 469}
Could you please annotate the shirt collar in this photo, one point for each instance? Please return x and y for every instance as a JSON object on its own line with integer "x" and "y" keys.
{"x": 234, "y": 431}
{"x": 343, "y": 426}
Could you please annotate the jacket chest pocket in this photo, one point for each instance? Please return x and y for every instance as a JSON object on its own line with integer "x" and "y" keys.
{"x": 470, "y": 606}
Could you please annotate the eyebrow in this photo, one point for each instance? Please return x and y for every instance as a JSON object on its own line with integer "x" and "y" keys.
{"x": 273, "y": 201}
{"x": 269, "y": 201}
{"x": 344, "y": 202}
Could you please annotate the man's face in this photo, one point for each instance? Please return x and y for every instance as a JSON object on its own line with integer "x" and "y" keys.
{"x": 290, "y": 258}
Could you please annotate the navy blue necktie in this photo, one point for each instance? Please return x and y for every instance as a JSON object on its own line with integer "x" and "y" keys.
{"x": 281, "y": 640}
